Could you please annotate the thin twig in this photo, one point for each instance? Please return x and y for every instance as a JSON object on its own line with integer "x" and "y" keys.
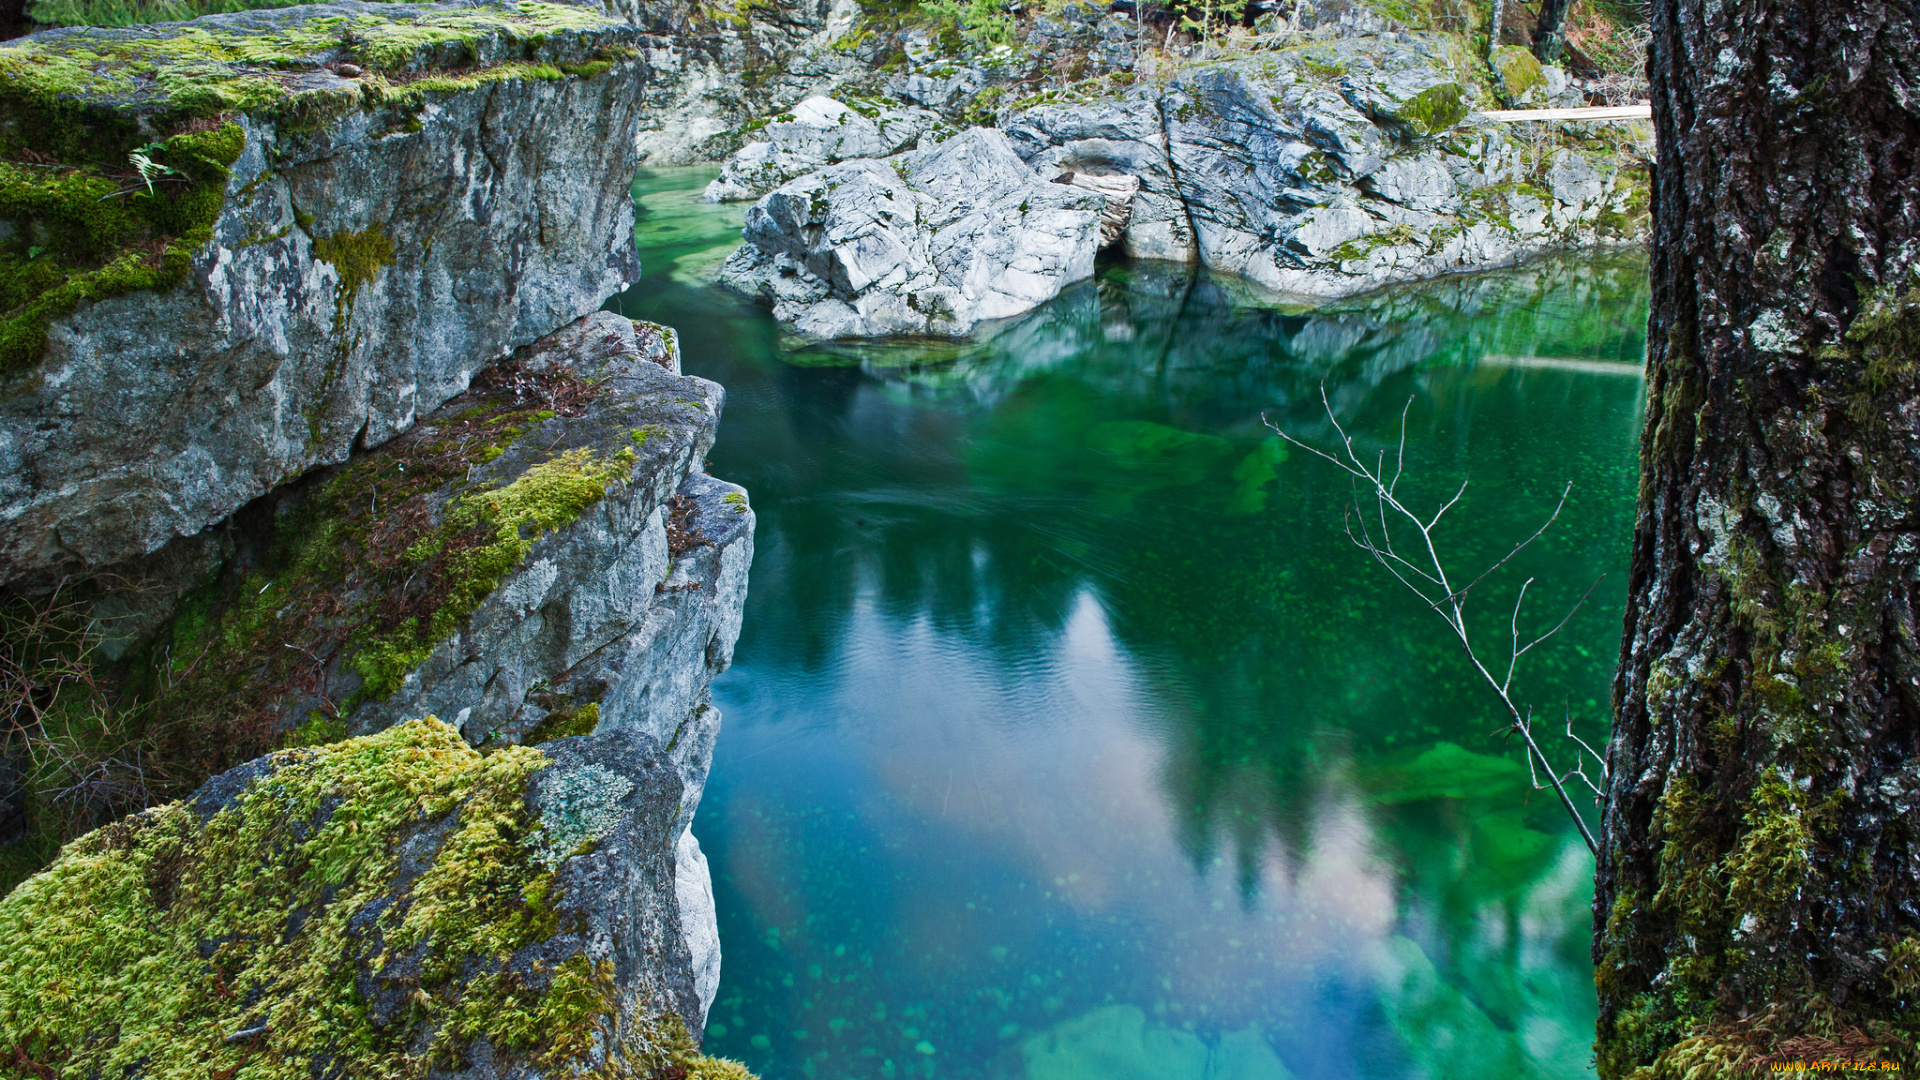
{"x": 1451, "y": 604}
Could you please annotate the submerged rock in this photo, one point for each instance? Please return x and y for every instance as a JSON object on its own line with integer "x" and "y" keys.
{"x": 342, "y": 255}
{"x": 929, "y": 242}
{"x": 818, "y": 132}
{"x": 398, "y": 904}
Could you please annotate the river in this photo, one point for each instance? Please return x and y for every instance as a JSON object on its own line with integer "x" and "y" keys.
{"x": 1069, "y": 736}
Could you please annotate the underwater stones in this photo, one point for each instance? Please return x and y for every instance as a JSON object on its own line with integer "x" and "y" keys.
{"x": 1118, "y": 1042}
{"x": 818, "y": 132}
{"x": 376, "y": 247}
{"x": 379, "y": 906}
{"x": 928, "y": 242}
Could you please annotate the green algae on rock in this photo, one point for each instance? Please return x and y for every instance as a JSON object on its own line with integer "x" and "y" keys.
{"x": 380, "y": 907}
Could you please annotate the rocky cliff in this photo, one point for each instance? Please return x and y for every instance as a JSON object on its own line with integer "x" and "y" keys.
{"x": 541, "y": 558}
{"x": 346, "y": 210}
{"x": 313, "y": 433}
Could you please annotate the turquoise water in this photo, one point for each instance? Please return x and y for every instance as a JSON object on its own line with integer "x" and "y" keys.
{"x": 1070, "y": 738}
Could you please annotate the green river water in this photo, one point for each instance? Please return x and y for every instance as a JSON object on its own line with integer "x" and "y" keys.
{"x": 1069, "y": 737}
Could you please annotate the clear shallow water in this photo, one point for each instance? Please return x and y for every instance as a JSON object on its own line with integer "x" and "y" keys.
{"x": 1069, "y": 738}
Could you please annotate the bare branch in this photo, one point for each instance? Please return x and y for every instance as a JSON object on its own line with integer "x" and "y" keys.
{"x": 1451, "y": 604}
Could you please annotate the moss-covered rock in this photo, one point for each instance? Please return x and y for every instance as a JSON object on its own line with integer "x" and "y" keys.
{"x": 388, "y": 906}
{"x": 1520, "y": 72}
{"x": 508, "y": 563}
{"x": 345, "y": 209}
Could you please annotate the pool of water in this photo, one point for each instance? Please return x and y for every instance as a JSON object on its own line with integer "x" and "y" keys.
{"x": 1070, "y": 738}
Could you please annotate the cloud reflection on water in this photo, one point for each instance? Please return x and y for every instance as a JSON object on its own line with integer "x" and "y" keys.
{"x": 1049, "y": 746}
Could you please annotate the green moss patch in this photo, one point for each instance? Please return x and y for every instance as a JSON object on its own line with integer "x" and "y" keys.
{"x": 138, "y": 12}
{"x": 1520, "y": 72}
{"x": 484, "y": 537}
{"x": 352, "y": 898}
{"x": 358, "y": 256}
{"x": 90, "y": 232}
{"x": 1436, "y": 109}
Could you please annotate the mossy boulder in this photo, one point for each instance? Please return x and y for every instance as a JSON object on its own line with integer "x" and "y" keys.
{"x": 232, "y": 249}
{"x": 1520, "y": 72}
{"x": 390, "y": 906}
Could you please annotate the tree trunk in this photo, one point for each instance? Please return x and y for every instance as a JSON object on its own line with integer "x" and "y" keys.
{"x": 1759, "y": 873}
{"x": 1549, "y": 36}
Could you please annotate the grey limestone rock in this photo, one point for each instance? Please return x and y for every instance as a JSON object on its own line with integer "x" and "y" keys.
{"x": 930, "y": 242}
{"x": 410, "y": 907}
{"x": 718, "y": 67}
{"x": 818, "y": 132}
{"x": 1123, "y": 137}
{"x": 946, "y": 87}
{"x": 611, "y": 610}
{"x": 598, "y": 646}
{"x": 1313, "y": 172}
{"x": 493, "y": 215}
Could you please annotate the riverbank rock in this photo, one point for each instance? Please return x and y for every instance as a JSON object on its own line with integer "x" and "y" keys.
{"x": 1117, "y": 139}
{"x": 1314, "y": 172}
{"x": 322, "y": 256}
{"x": 716, "y": 67}
{"x": 1358, "y": 162}
{"x": 929, "y": 242}
{"x": 818, "y": 132}
{"x": 399, "y": 904}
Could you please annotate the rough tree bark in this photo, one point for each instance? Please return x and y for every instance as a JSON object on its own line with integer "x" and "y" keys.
{"x": 1759, "y": 876}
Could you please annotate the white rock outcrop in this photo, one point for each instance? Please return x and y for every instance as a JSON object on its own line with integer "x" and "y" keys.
{"x": 818, "y": 132}
{"x": 930, "y": 242}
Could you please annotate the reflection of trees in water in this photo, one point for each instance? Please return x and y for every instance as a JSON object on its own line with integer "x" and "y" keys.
{"x": 1104, "y": 444}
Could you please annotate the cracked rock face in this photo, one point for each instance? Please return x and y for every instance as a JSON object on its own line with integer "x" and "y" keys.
{"x": 490, "y": 217}
{"x": 610, "y": 609}
{"x": 929, "y": 242}
{"x": 821, "y": 132}
{"x": 1113, "y": 140}
{"x": 714, "y": 70}
{"x": 1315, "y": 173}
{"x": 1359, "y": 164}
